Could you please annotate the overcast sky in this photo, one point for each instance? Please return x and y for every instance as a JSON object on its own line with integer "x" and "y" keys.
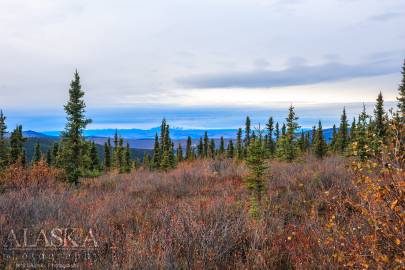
{"x": 189, "y": 56}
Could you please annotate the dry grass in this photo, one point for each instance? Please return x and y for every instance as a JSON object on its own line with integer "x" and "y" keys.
{"x": 194, "y": 217}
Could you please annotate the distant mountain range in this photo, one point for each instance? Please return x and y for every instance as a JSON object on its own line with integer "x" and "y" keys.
{"x": 144, "y": 139}
{"x": 140, "y": 134}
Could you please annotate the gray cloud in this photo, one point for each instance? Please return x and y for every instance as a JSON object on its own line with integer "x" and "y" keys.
{"x": 386, "y": 16}
{"x": 293, "y": 75}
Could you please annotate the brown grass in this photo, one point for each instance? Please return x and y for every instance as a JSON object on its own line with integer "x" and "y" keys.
{"x": 194, "y": 217}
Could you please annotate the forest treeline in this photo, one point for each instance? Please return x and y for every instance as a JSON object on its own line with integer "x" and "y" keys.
{"x": 79, "y": 158}
{"x": 275, "y": 198}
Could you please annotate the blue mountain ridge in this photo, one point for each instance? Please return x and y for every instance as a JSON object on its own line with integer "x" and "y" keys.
{"x": 175, "y": 133}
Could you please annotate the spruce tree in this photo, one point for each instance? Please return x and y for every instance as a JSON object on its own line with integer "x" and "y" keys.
{"x": 320, "y": 148}
{"x": 156, "y": 160}
{"x": 334, "y": 139}
{"x": 189, "y": 153}
{"x": 107, "y": 155}
{"x": 4, "y": 149}
{"x": 165, "y": 164}
{"x": 230, "y": 150}
{"x": 120, "y": 156}
{"x": 172, "y": 157}
{"x": 292, "y": 126}
{"x": 200, "y": 148}
{"x": 256, "y": 164}
{"x": 211, "y": 149}
{"x": 239, "y": 146}
{"x": 127, "y": 159}
{"x": 401, "y": 97}
{"x": 49, "y": 157}
{"x": 205, "y": 146}
{"x": 270, "y": 141}
{"x": 222, "y": 146}
{"x": 94, "y": 160}
{"x": 342, "y": 138}
{"x": 17, "y": 153}
{"x": 163, "y": 146}
{"x": 179, "y": 153}
{"x": 72, "y": 137}
{"x": 352, "y": 134}
{"x": 380, "y": 118}
{"x": 313, "y": 136}
{"x": 283, "y": 130}
{"x": 37, "y": 154}
{"x": 360, "y": 146}
{"x": 55, "y": 154}
{"x": 247, "y": 132}
{"x": 277, "y": 132}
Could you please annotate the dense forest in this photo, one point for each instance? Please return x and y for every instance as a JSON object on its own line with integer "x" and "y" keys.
{"x": 276, "y": 197}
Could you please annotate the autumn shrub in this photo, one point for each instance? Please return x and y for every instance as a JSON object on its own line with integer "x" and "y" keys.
{"x": 367, "y": 230}
{"x": 196, "y": 216}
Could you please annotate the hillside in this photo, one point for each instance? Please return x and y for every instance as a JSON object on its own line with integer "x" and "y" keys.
{"x": 47, "y": 143}
{"x": 144, "y": 139}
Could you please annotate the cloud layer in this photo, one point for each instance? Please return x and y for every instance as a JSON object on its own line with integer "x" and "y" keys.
{"x": 295, "y": 75}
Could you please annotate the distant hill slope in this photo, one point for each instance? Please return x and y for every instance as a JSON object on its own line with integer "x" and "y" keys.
{"x": 140, "y": 138}
{"x": 47, "y": 143}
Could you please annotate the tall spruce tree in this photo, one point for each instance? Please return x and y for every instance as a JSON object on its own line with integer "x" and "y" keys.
{"x": 94, "y": 160}
{"x": 401, "y": 97}
{"x": 360, "y": 146}
{"x": 17, "y": 152}
{"x": 179, "y": 153}
{"x": 120, "y": 156}
{"x": 163, "y": 146}
{"x": 380, "y": 125}
{"x": 4, "y": 149}
{"x": 334, "y": 139}
{"x": 292, "y": 126}
{"x": 352, "y": 134}
{"x": 49, "y": 157}
{"x": 107, "y": 155}
{"x": 205, "y": 145}
{"x": 37, "y": 154}
{"x": 342, "y": 138}
{"x": 270, "y": 141}
{"x": 313, "y": 136}
{"x": 127, "y": 159}
{"x": 189, "y": 153}
{"x": 211, "y": 149}
{"x": 55, "y": 155}
{"x": 283, "y": 130}
{"x": 72, "y": 137}
{"x": 277, "y": 132}
{"x": 156, "y": 160}
{"x": 222, "y": 146}
{"x": 247, "y": 131}
{"x": 172, "y": 157}
{"x": 239, "y": 146}
{"x": 200, "y": 148}
{"x": 230, "y": 150}
{"x": 320, "y": 149}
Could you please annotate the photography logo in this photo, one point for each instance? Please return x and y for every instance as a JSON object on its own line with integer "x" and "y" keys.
{"x": 56, "y": 248}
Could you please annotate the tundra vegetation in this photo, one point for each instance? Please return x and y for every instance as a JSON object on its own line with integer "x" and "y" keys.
{"x": 272, "y": 199}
